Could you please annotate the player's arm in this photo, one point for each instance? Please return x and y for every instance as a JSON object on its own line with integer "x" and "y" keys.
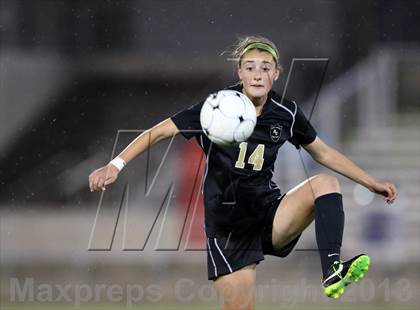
{"x": 105, "y": 175}
{"x": 334, "y": 160}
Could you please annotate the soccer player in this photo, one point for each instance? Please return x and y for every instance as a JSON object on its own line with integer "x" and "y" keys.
{"x": 246, "y": 216}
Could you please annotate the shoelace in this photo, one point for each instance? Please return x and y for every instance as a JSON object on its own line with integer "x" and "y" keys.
{"x": 335, "y": 270}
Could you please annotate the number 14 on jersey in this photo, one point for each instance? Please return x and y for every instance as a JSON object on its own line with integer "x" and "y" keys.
{"x": 256, "y": 159}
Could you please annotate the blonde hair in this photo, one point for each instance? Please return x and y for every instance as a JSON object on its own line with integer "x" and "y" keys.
{"x": 241, "y": 46}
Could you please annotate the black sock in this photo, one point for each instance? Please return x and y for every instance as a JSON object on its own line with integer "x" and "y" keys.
{"x": 329, "y": 226}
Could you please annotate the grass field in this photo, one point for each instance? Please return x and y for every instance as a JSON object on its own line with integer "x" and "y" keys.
{"x": 200, "y": 307}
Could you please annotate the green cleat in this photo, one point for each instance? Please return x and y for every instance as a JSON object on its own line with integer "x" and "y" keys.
{"x": 342, "y": 274}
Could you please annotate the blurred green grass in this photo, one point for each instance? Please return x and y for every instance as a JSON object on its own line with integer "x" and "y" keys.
{"x": 191, "y": 307}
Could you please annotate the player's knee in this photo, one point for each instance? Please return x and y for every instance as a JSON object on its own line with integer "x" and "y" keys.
{"x": 326, "y": 184}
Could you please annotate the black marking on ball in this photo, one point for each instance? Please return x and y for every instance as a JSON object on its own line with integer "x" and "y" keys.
{"x": 241, "y": 119}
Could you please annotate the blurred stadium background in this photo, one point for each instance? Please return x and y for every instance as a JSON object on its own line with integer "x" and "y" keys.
{"x": 74, "y": 73}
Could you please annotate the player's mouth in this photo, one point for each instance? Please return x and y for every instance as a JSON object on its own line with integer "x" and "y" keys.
{"x": 258, "y": 86}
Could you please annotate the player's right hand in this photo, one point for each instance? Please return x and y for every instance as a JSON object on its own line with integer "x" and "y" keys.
{"x": 100, "y": 178}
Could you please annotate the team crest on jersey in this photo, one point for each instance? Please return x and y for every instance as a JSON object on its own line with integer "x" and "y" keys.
{"x": 275, "y": 132}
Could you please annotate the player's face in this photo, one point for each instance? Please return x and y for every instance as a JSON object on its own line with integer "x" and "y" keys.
{"x": 257, "y": 71}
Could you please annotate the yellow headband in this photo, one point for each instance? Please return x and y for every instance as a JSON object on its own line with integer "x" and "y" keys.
{"x": 261, "y": 46}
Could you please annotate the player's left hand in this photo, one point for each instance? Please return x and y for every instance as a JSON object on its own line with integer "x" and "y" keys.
{"x": 386, "y": 189}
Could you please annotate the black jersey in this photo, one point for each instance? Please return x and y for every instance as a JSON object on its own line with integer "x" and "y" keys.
{"x": 238, "y": 185}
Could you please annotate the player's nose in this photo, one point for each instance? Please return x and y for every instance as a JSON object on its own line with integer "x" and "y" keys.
{"x": 257, "y": 75}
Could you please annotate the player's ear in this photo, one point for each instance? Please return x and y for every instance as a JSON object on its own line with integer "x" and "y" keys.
{"x": 276, "y": 74}
{"x": 240, "y": 73}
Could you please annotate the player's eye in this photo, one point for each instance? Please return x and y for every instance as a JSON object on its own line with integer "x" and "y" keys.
{"x": 248, "y": 68}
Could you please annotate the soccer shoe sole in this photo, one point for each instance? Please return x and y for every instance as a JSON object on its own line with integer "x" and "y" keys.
{"x": 356, "y": 272}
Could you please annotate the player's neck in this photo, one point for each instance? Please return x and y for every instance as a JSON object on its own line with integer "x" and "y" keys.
{"x": 257, "y": 101}
{"x": 259, "y": 104}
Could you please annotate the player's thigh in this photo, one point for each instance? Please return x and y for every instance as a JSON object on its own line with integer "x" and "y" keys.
{"x": 296, "y": 209}
{"x": 237, "y": 290}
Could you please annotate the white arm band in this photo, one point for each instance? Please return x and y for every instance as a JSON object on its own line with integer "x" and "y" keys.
{"x": 118, "y": 162}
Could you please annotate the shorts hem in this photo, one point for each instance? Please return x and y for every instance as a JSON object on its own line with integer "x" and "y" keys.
{"x": 236, "y": 268}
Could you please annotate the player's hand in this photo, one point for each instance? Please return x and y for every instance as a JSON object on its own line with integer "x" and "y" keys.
{"x": 100, "y": 178}
{"x": 386, "y": 189}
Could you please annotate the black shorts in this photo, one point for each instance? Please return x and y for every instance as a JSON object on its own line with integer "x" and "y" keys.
{"x": 228, "y": 253}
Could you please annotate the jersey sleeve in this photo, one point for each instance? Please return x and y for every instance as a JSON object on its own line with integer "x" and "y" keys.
{"x": 303, "y": 131}
{"x": 188, "y": 121}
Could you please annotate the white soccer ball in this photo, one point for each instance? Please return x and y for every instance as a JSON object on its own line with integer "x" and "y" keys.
{"x": 228, "y": 117}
